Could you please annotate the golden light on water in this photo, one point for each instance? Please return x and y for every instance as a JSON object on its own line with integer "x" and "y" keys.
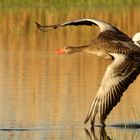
{"x": 41, "y": 89}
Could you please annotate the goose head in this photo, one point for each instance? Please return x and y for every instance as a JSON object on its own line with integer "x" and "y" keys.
{"x": 136, "y": 39}
{"x": 68, "y": 50}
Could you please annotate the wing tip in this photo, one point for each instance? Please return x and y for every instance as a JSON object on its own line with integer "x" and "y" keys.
{"x": 86, "y": 120}
{"x": 46, "y": 28}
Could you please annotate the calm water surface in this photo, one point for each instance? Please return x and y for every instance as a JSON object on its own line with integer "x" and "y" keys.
{"x": 46, "y": 97}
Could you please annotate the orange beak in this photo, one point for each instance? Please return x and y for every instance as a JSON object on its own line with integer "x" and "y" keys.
{"x": 60, "y": 51}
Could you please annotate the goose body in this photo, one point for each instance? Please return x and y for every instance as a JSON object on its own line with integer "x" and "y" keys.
{"x": 112, "y": 44}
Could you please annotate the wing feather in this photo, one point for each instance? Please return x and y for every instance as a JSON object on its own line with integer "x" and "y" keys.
{"x": 118, "y": 76}
{"x": 88, "y": 22}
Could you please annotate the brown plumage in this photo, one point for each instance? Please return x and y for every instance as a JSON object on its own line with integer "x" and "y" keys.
{"x": 112, "y": 44}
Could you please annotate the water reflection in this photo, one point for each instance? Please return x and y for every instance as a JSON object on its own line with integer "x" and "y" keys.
{"x": 116, "y": 131}
{"x": 102, "y": 135}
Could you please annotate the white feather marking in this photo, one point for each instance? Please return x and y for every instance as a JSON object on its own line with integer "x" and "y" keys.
{"x": 103, "y": 25}
{"x": 136, "y": 38}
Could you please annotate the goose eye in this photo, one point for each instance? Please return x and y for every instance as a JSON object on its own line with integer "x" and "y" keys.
{"x": 66, "y": 48}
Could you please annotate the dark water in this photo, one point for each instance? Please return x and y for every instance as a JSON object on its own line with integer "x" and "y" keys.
{"x": 46, "y": 97}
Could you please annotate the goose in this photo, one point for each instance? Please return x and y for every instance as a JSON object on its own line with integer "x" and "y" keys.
{"x": 124, "y": 53}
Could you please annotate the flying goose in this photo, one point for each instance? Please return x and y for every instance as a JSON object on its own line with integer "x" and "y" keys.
{"x": 112, "y": 44}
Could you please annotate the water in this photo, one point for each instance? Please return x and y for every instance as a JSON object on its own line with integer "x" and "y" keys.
{"x": 46, "y": 97}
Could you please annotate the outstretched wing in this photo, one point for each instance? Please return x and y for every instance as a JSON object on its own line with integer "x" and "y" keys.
{"x": 116, "y": 80}
{"x": 88, "y": 22}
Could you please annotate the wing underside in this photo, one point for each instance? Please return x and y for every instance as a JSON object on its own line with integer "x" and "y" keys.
{"x": 116, "y": 80}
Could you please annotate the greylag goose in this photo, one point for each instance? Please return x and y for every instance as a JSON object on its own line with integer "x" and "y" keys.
{"x": 112, "y": 44}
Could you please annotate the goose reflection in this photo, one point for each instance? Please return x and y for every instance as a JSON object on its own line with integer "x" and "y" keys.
{"x": 102, "y": 135}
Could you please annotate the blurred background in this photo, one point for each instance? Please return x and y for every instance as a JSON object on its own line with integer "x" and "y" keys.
{"x": 44, "y": 96}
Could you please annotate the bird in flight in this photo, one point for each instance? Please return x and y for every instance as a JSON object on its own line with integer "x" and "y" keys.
{"x": 112, "y": 44}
